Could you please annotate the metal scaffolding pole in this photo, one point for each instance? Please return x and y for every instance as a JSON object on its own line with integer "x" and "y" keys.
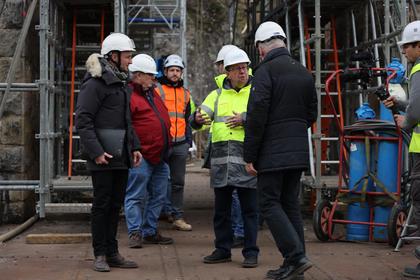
{"x": 287, "y": 22}
{"x": 183, "y": 27}
{"x": 318, "y": 91}
{"x": 117, "y": 16}
{"x": 301, "y": 35}
{"x": 43, "y": 122}
{"x": 372, "y": 18}
{"x": 387, "y": 15}
{"x": 403, "y": 21}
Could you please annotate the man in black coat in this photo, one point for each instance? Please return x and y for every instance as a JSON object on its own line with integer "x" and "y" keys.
{"x": 281, "y": 108}
{"x": 103, "y": 121}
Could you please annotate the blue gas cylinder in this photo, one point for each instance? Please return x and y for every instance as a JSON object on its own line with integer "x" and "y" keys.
{"x": 387, "y": 174}
{"x": 359, "y": 212}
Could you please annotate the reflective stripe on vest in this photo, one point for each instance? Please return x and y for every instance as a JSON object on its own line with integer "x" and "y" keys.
{"x": 177, "y": 106}
{"x": 415, "y": 138}
{"x": 223, "y": 105}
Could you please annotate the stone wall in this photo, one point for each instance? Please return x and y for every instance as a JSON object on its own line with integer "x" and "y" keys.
{"x": 18, "y": 148}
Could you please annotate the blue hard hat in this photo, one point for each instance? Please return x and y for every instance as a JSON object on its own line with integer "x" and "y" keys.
{"x": 400, "y": 70}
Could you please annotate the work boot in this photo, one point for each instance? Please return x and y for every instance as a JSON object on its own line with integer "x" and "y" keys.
{"x": 274, "y": 273}
{"x": 157, "y": 239}
{"x": 238, "y": 242}
{"x": 291, "y": 271}
{"x": 250, "y": 262}
{"x": 180, "y": 224}
{"x": 100, "y": 264}
{"x": 412, "y": 272}
{"x": 135, "y": 240}
{"x": 119, "y": 261}
{"x": 218, "y": 256}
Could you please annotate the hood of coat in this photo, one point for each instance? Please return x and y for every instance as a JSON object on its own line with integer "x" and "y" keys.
{"x": 99, "y": 67}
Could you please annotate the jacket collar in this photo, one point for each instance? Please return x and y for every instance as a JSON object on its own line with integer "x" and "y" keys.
{"x": 227, "y": 85}
{"x": 165, "y": 81}
{"x": 274, "y": 53}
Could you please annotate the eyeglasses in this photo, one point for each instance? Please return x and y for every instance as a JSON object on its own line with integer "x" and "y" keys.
{"x": 406, "y": 46}
{"x": 239, "y": 68}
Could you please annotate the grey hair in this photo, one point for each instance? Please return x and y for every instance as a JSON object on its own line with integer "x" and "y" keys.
{"x": 272, "y": 44}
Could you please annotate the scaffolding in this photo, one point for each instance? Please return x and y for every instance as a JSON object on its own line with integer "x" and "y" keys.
{"x": 54, "y": 90}
{"x": 308, "y": 27}
{"x": 382, "y": 23}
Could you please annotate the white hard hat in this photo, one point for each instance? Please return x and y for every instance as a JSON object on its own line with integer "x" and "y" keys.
{"x": 117, "y": 42}
{"x": 236, "y": 56}
{"x": 223, "y": 51}
{"x": 267, "y": 30}
{"x": 173, "y": 60}
{"x": 411, "y": 33}
{"x": 143, "y": 63}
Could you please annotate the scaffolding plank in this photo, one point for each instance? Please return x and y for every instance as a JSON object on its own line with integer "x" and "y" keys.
{"x": 61, "y": 208}
{"x": 58, "y": 238}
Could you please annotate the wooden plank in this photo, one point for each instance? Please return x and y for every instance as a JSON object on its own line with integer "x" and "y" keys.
{"x": 58, "y": 238}
{"x": 77, "y": 208}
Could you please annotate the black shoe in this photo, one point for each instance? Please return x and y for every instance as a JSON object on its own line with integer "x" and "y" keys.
{"x": 250, "y": 262}
{"x": 238, "y": 242}
{"x": 292, "y": 270}
{"x": 157, "y": 239}
{"x": 118, "y": 261}
{"x": 218, "y": 256}
{"x": 274, "y": 273}
{"x": 100, "y": 264}
{"x": 417, "y": 252}
{"x": 412, "y": 272}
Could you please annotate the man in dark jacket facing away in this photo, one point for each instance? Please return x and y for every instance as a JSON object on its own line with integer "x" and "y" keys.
{"x": 104, "y": 123}
{"x": 281, "y": 107}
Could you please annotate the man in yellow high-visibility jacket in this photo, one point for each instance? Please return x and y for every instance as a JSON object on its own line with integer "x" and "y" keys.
{"x": 410, "y": 48}
{"x": 225, "y": 110}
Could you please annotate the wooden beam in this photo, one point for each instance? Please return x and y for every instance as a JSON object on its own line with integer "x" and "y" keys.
{"x": 58, "y": 238}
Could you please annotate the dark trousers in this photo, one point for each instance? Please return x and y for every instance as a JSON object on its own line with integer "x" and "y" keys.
{"x": 278, "y": 194}
{"x": 177, "y": 164}
{"x": 222, "y": 221}
{"x": 415, "y": 186}
{"x": 108, "y": 196}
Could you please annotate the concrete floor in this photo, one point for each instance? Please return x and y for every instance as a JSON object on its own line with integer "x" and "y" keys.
{"x": 183, "y": 259}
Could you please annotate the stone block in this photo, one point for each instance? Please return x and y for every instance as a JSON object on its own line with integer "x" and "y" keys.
{"x": 11, "y": 158}
{"x": 18, "y": 212}
{"x": 11, "y": 130}
{"x": 16, "y": 196}
{"x": 8, "y": 42}
{"x": 12, "y": 14}
{"x": 13, "y": 105}
{"x": 21, "y": 69}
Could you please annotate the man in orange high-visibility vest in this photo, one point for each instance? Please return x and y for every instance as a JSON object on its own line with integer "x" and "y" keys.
{"x": 178, "y": 101}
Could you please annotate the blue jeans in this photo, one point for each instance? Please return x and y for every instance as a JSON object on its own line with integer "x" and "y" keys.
{"x": 145, "y": 196}
{"x": 237, "y": 223}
